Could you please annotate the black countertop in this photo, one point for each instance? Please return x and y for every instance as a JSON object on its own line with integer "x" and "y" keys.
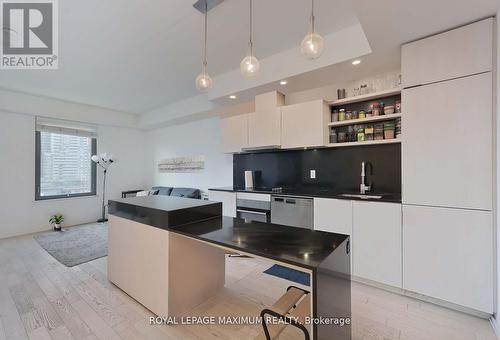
{"x": 164, "y": 211}
{"x": 316, "y": 192}
{"x": 301, "y": 247}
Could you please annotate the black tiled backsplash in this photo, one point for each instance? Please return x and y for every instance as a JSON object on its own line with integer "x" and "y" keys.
{"x": 337, "y": 169}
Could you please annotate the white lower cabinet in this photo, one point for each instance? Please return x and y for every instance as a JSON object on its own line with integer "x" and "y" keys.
{"x": 376, "y": 242}
{"x": 333, "y": 216}
{"x": 228, "y": 200}
{"x": 448, "y": 254}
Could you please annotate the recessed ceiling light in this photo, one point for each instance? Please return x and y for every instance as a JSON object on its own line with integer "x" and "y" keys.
{"x": 232, "y": 96}
{"x": 356, "y": 62}
{"x": 283, "y": 82}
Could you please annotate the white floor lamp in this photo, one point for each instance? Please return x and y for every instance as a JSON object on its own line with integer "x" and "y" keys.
{"x": 104, "y": 162}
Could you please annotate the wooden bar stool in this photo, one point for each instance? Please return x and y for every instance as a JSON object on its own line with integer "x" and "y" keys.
{"x": 294, "y": 305}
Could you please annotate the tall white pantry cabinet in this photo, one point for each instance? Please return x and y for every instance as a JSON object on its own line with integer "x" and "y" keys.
{"x": 447, "y": 166}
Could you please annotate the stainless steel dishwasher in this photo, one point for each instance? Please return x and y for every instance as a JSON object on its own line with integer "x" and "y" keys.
{"x": 292, "y": 211}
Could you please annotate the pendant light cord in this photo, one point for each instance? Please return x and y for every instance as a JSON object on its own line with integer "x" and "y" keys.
{"x": 312, "y": 16}
{"x": 250, "y": 43}
{"x": 205, "y": 49}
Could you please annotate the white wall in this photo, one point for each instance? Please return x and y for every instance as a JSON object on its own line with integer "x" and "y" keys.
{"x": 16, "y": 102}
{"x": 20, "y": 213}
{"x": 378, "y": 82}
{"x": 199, "y": 138}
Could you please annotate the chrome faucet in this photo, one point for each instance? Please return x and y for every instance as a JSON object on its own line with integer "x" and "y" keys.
{"x": 363, "y": 188}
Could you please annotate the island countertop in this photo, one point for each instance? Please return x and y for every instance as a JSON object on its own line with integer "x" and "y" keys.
{"x": 297, "y": 246}
{"x": 202, "y": 220}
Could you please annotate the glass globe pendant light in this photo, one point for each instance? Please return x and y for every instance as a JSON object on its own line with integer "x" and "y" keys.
{"x": 204, "y": 81}
{"x": 312, "y": 45}
{"x": 250, "y": 65}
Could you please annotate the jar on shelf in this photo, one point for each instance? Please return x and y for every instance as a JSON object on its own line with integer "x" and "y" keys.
{"x": 333, "y": 136}
{"x": 341, "y": 115}
{"x": 397, "y": 106}
{"x": 348, "y": 115}
{"x": 388, "y": 110}
{"x": 342, "y": 137}
{"x": 369, "y": 132}
{"x": 369, "y": 114}
{"x": 361, "y": 135}
{"x": 354, "y": 114}
{"x": 389, "y": 130}
{"x": 375, "y": 109}
{"x": 351, "y": 134}
{"x": 378, "y": 132}
{"x": 335, "y": 116}
{"x": 361, "y": 114}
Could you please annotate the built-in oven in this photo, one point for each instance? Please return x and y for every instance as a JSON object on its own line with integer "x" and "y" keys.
{"x": 253, "y": 207}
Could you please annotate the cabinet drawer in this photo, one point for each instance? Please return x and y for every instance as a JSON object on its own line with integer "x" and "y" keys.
{"x": 332, "y": 215}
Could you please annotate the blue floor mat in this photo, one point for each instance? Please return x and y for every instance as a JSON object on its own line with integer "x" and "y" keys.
{"x": 289, "y": 274}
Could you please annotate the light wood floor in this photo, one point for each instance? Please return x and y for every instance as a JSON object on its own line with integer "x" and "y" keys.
{"x": 42, "y": 299}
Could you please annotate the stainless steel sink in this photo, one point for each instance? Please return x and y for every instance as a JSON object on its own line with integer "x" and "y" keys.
{"x": 366, "y": 197}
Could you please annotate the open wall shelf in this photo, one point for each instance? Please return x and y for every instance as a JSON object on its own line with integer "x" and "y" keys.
{"x": 366, "y": 97}
{"x": 369, "y": 142}
{"x": 365, "y": 120}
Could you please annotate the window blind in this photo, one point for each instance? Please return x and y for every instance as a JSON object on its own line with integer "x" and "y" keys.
{"x": 66, "y": 127}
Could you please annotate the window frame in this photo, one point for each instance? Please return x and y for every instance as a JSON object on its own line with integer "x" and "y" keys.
{"x": 38, "y": 164}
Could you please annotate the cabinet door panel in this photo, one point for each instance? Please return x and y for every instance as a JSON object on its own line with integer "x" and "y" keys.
{"x": 448, "y": 254}
{"x": 460, "y": 52}
{"x": 264, "y": 128}
{"x": 376, "y": 242}
{"x": 334, "y": 216}
{"x": 234, "y": 133}
{"x": 447, "y": 143}
{"x": 305, "y": 124}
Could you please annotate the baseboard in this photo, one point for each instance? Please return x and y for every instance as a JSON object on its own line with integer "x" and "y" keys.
{"x": 425, "y": 298}
{"x": 495, "y": 326}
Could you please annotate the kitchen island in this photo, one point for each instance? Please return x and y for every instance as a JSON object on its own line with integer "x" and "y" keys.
{"x": 169, "y": 254}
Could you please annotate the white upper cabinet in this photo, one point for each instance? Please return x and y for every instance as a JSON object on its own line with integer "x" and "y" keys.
{"x": 463, "y": 51}
{"x": 376, "y": 243}
{"x": 234, "y": 133}
{"x": 333, "y": 216}
{"x": 264, "y": 128}
{"x": 448, "y": 254}
{"x": 447, "y": 143}
{"x": 305, "y": 124}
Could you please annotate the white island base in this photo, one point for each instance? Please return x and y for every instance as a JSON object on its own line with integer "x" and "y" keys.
{"x": 160, "y": 269}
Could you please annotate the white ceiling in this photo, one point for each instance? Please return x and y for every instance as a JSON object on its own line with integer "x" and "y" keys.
{"x": 138, "y": 55}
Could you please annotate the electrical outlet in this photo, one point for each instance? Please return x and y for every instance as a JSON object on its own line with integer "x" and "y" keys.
{"x": 312, "y": 174}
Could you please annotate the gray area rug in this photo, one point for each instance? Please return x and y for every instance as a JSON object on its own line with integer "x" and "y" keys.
{"x": 76, "y": 245}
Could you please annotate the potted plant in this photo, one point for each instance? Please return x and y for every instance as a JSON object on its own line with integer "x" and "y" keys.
{"x": 56, "y": 220}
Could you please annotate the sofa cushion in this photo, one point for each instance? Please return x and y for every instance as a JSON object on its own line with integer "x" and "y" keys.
{"x": 186, "y": 192}
{"x": 165, "y": 191}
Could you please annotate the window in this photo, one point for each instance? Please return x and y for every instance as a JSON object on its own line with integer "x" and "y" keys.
{"x": 63, "y": 164}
